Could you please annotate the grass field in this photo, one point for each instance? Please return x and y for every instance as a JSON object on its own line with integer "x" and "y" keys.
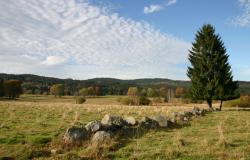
{"x": 35, "y": 125}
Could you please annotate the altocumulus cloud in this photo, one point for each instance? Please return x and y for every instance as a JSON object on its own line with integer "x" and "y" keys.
{"x": 244, "y": 19}
{"x": 79, "y": 40}
{"x": 158, "y": 7}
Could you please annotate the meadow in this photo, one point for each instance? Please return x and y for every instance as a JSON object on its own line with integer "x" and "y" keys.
{"x": 32, "y": 128}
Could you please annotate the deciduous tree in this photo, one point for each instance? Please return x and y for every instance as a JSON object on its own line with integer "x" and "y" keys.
{"x": 57, "y": 90}
{"x": 12, "y": 88}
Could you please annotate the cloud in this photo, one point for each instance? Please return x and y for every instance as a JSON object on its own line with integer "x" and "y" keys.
{"x": 244, "y": 19}
{"x": 152, "y": 9}
{"x": 171, "y": 2}
{"x": 80, "y": 40}
{"x": 54, "y": 60}
{"x": 158, "y": 7}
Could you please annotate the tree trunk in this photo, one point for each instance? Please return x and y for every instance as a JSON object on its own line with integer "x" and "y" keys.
{"x": 209, "y": 102}
{"x": 221, "y": 101}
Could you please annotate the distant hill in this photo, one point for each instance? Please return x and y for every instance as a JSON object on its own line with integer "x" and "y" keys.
{"x": 108, "y": 85}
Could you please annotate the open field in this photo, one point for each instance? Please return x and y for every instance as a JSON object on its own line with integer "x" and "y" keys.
{"x": 37, "y": 123}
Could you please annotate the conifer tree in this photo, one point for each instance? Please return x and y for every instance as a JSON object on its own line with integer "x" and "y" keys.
{"x": 210, "y": 72}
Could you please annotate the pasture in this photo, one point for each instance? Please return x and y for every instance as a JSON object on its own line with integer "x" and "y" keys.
{"x": 33, "y": 126}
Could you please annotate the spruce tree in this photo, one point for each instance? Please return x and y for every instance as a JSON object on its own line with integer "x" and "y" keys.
{"x": 210, "y": 73}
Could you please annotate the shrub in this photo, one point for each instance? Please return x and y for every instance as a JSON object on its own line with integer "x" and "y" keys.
{"x": 143, "y": 100}
{"x": 80, "y": 100}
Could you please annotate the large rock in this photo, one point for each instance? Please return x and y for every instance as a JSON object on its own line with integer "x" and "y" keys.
{"x": 93, "y": 126}
{"x": 148, "y": 123}
{"x": 130, "y": 121}
{"x": 100, "y": 138}
{"x": 162, "y": 121}
{"x": 74, "y": 135}
{"x": 113, "y": 121}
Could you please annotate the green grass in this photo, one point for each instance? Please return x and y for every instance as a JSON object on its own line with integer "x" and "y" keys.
{"x": 33, "y": 128}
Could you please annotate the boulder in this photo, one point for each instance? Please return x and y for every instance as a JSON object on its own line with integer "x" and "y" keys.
{"x": 130, "y": 121}
{"x": 148, "y": 123}
{"x": 93, "y": 126}
{"x": 74, "y": 135}
{"x": 113, "y": 121}
{"x": 162, "y": 121}
{"x": 100, "y": 138}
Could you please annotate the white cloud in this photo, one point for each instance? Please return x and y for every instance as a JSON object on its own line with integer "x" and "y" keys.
{"x": 158, "y": 7}
{"x": 79, "y": 40}
{"x": 244, "y": 19}
{"x": 171, "y": 2}
{"x": 152, "y": 8}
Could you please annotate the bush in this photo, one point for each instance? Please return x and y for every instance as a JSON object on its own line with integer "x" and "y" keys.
{"x": 143, "y": 100}
{"x": 135, "y": 100}
{"x": 80, "y": 100}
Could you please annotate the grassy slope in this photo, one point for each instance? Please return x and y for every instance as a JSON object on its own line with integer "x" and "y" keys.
{"x": 26, "y": 126}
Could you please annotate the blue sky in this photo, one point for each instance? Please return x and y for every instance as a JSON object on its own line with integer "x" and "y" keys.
{"x": 125, "y": 39}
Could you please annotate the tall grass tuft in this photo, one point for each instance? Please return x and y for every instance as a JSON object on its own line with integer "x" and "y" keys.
{"x": 222, "y": 140}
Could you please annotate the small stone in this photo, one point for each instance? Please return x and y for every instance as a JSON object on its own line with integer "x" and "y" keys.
{"x": 130, "y": 121}
{"x": 185, "y": 119}
{"x": 101, "y": 137}
{"x": 148, "y": 123}
{"x": 93, "y": 126}
{"x": 53, "y": 151}
{"x": 162, "y": 121}
{"x": 109, "y": 120}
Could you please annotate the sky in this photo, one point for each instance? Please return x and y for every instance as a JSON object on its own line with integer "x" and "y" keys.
{"x": 124, "y": 39}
